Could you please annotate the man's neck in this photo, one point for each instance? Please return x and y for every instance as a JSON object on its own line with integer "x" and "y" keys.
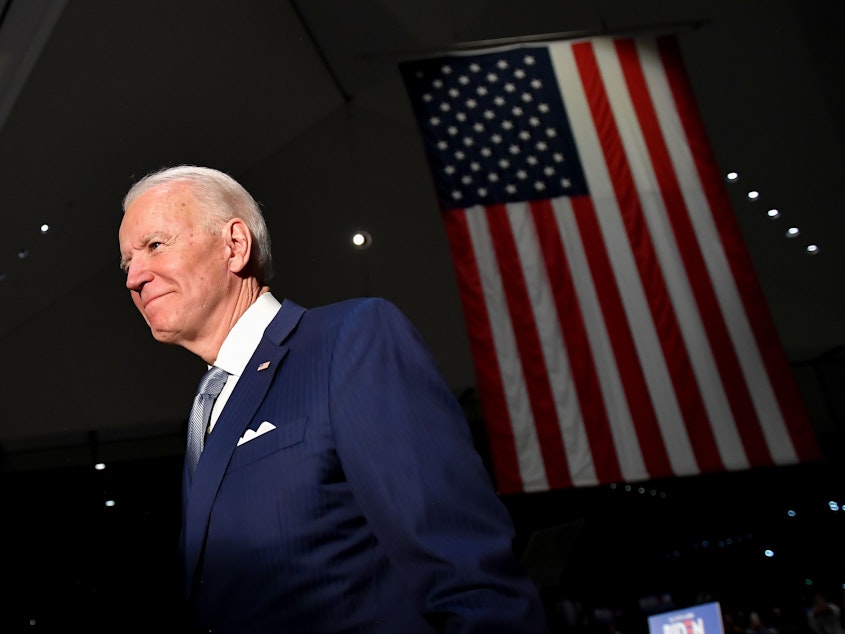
{"x": 208, "y": 347}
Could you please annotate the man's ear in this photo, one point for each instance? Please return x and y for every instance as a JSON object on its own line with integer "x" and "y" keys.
{"x": 239, "y": 240}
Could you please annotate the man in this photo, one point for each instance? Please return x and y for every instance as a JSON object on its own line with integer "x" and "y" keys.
{"x": 338, "y": 489}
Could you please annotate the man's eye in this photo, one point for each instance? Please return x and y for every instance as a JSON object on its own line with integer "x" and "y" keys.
{"x": 154, "y": 245}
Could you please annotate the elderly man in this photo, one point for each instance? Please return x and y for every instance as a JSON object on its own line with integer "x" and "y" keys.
{"x": 334, "y": 486}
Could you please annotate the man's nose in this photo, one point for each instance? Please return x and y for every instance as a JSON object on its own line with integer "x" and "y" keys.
{"x": 137, "y": 275}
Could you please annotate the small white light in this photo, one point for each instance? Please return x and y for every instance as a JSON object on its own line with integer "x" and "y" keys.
{"x": 773, "y": 213}
{"x": 791, "y": 513}
{"x": 23, "y": 253}
{"x": 45, "y": 228}
{"x": 792, "y": 232}
{"x": 834, "y": 506}
{"x": 753, "y": 195}
{"x": 732, "y": 176}
{"x": 99, "y": 466}
{"x": 769, "y": 553}
{"x": 109, "y": 503}
{"x": 362, "y": 240}
{"x": 812, "y": 249}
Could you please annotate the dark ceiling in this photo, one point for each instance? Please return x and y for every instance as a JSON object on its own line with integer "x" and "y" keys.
{"x": 303, "y": 102}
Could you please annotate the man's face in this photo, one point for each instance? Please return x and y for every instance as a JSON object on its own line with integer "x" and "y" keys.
{"x": 176, "y": 270}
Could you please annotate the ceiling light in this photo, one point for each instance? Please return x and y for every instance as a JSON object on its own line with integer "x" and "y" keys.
{"x": 792, "y": 232}
{"x": 732, "y": 176}
{"x": 773, "y": 213}
{"x": 45, "y": 228}
{"x": 753, "y": 195}
{"x": 812, "y": 249}
{"x": 362, "y": 240}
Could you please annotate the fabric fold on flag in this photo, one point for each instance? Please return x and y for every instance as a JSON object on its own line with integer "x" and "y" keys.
{"x": 617, "y": 329}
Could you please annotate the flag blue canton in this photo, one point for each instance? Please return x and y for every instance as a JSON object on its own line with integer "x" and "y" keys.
{"x": 494, "y": 128}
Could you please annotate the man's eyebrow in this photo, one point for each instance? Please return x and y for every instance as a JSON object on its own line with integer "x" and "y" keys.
{"x": 152, "y": 236}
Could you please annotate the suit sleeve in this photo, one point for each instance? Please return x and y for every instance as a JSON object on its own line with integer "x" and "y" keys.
{"x": 407, "y": 452}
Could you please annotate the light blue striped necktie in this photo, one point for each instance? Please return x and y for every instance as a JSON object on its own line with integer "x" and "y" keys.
{"x": 209, "y": 389}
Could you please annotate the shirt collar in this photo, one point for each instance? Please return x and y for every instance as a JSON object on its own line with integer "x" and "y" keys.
{"x": 245, "y": 335}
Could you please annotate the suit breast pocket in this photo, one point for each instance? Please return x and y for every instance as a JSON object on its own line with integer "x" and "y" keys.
{"x": 284, "y": 436}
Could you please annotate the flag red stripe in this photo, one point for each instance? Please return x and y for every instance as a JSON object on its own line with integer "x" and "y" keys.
{"x": 581, "y": 362}
{"x": 530, "y": 350}
{"x": 636, "y": 388}
{"x": 490, "y": 389}
{"x": 681, "y": 371}
{"x": 768, "y": 341}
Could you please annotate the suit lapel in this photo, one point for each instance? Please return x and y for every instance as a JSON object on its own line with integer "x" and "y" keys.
{"x": 239, "y": 410}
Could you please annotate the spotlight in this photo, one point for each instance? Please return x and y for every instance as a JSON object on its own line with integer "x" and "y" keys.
{"x": 362, "y": 240}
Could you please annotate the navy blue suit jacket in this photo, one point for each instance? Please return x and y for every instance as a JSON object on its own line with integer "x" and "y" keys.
{"x": 366, "y": 508}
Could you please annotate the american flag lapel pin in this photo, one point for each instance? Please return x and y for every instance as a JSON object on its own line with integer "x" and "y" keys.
{"x": 264, "y": 366}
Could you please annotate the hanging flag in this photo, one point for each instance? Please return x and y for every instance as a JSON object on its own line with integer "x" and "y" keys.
{"x": 617, "y": 329}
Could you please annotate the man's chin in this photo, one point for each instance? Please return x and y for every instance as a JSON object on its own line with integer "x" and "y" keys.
{"x": 163, "y": 336}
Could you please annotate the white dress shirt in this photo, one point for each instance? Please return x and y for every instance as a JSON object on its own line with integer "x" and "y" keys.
{"x": 240, "y": 344}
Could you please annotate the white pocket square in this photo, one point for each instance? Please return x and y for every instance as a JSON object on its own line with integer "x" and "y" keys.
{"x": 250, "y": 434}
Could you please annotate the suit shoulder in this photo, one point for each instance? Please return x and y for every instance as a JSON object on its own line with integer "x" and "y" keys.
{"x": 357, "y": 305}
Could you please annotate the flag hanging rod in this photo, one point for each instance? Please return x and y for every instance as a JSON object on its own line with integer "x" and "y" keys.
{"x": 546, "y": 37}
{"x": 574, "y": 35}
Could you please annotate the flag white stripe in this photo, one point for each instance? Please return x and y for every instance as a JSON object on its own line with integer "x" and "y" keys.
{"x": 569, "y": 418}
{"x": 528, "y": 453}
{"x": 658, "y": 378}
{"x": 625, "y": 440}
{"x": 601, "y": 191}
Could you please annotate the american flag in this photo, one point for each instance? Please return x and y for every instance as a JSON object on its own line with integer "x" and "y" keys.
{"x": 617, "y": 329}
